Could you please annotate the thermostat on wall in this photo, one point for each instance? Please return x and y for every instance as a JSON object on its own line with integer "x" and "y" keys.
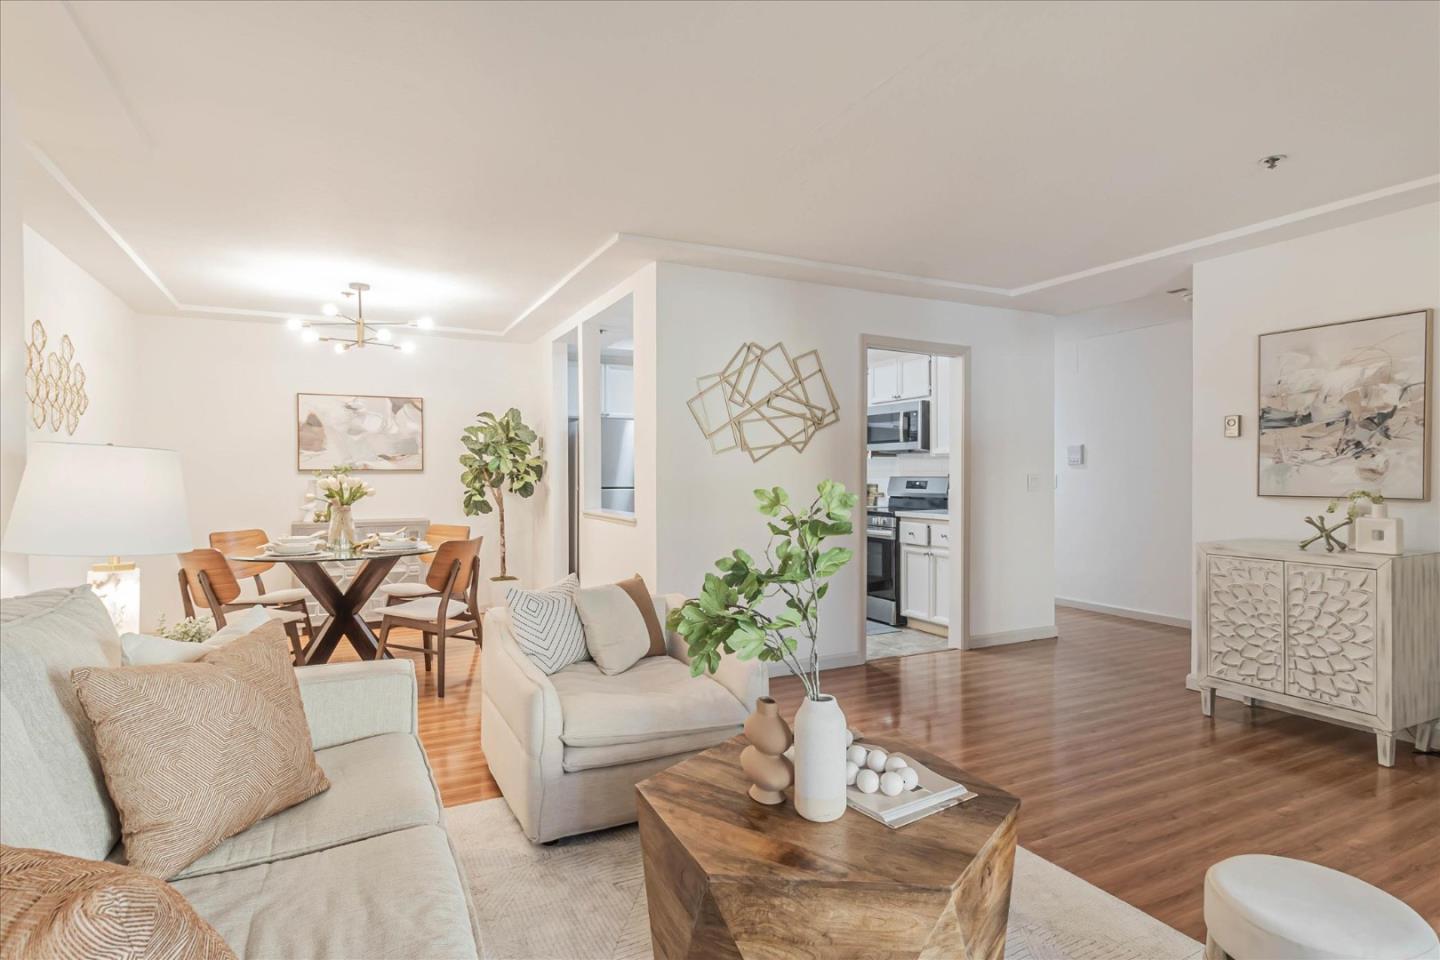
{"x": 1075, "y": 455}
{"x": 1232, "y": 424}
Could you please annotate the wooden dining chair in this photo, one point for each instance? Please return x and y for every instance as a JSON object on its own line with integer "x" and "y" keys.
{"x": 252, "y": 543}
{"x": 435, "y": 535}
{"x": 206, "y": 580}
{"x": 441, "y": 616}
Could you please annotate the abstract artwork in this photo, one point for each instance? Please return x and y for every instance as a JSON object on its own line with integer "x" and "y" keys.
{"x": 1343, "y": 406}
{"x": 764, "y": 400}
{"x": 362, "y": 433}
{"x": 54, "y": 384}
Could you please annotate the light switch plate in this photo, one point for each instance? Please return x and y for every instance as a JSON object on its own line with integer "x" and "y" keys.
{"x": 1075, "y": 455}
{"x": 1034, "y": 483}
{"x": 1232, "y": 424}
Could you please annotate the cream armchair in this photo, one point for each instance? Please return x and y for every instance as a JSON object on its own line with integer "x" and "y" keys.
{"x": 567, "y": 749}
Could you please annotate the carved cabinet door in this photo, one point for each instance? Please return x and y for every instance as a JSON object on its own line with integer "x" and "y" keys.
{"x": 1245, "y": 621}
{"x": 1330, "y": 623}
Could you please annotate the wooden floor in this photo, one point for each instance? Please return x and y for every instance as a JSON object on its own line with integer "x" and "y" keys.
{"x": 1123, "y": 782}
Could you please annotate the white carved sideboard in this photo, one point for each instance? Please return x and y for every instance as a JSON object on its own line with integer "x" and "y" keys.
{"x": 1345, "y": 636}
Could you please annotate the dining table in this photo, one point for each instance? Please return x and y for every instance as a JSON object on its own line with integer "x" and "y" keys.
{"x": 345, "y": 605}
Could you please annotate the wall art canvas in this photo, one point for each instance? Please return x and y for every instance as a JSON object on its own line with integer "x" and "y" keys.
{"x": 361, "y": 432}
{"x": 1343, "y": 406}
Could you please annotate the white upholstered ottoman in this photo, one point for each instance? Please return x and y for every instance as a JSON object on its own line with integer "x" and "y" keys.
{"x": 1259, "y": 907}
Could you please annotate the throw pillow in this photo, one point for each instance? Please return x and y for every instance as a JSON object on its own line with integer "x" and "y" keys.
{"x": 194, "y": 753}
{"x": 547, "y": 626}
{"x": 621, "y": 625}
{"x": 59, "y": 906}
{"x": 137, "y": 649}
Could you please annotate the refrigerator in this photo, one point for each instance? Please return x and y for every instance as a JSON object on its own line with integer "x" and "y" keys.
{"x": 617, "y": 464}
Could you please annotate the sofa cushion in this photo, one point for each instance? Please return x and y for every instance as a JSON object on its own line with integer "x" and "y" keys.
{"x": 655, "y": 698}
{"x": 396, "y": 895}
{"x": 576, "y": 759}
{"x": 197, "y": 752}
{"x": 377, "y": 785}
{"x": 59, "y": 906}
{"x": 546, "y": 625}
{"x": 621, "y": 624}
{"x": 52, "y": 791}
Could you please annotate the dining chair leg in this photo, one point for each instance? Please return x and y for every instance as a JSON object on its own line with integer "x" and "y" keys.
{"x": 384, "y": 639}
{"x": 440, "y": 673}
{"x": 292, "y": 630}
{"x": 425, "y": 634}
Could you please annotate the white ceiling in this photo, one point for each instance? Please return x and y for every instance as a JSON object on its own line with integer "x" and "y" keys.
{"x": 496, "y": 166}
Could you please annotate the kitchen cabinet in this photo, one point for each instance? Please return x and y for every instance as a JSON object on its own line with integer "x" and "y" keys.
{"x": 617, "y": 390}
{"x": 901, "y": 376}
{"x": 914, "y": 377}
{"x": 925, "y": 570}
{"x": 940, "y": 586}
{"x": 940, "y": 407}
{"x": 884, "y": 381}
{"x": 916, "y": 577}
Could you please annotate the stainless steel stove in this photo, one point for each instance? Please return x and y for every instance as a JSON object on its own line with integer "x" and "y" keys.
{"x": 882, "y": 542}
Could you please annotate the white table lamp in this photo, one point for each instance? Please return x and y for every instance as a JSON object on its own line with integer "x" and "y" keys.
{"x": 101, "y": 500}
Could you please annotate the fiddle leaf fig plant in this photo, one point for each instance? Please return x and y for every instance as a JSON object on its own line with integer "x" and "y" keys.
{"x": 501, "y": 453}
{"x": 728, "y": 617}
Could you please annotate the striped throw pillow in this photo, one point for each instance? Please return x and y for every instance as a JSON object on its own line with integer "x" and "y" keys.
{"x": 547, "y": 626}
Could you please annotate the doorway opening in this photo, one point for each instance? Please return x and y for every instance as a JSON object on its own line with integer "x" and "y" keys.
{"x": 912, "y": 450}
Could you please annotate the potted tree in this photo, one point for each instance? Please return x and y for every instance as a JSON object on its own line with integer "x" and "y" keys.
{"x": 501, "y": 453}
{"x": 754, "y": 609}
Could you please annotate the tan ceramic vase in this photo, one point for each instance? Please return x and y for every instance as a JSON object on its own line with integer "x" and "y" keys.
{"x": 763, "y": 760}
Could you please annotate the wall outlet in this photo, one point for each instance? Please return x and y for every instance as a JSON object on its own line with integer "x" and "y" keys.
{"x": 1232, "y": 424}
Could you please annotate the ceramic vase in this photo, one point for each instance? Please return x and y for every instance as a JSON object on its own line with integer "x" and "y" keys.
{"x": 820, "y": 760}
{"x": 341, "y": 532}
{"x": 763, "y": 760}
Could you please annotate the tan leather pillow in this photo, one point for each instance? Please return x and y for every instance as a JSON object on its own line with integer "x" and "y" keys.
{"x": 194, "y": 753}
{"x": 59, "y": 906}
{"x": 621, "y": 626}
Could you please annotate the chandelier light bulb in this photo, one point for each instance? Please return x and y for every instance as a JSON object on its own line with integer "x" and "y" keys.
{"x": 339, "y": 348}
{"x": 309, "y": 335}
{"x": 407, "y": 347}
{"x": 330, "y": 310}
{"x": 384, "y": 335}
{"x": 293, "y": 323}
{"x": 425, "y": 323}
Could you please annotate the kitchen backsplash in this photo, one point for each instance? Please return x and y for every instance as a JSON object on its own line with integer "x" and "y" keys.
{"x": 879, "y": 470}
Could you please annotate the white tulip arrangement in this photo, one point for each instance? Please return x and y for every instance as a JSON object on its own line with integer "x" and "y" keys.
{"x": 340, "y": 490}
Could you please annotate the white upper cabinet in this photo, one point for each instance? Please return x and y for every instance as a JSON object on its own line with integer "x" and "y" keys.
{"x": 617, "y": 390}
{"x": 940, "y": 409}
{"x": 914, "y": 377}
{"x": 884, "y": 381}
{"x": 898, "y": 376}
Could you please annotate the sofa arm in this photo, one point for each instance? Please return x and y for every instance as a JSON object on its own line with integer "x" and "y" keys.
{"x": 747, "y": 680}
{"x": 520, "y": 691}
{"x": 351, "y": 701}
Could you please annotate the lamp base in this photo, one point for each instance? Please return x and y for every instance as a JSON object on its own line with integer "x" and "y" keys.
{"x": 117, "y": 584}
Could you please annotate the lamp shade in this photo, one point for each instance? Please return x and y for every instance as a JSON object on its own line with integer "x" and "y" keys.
{"x": 97, "y": 500}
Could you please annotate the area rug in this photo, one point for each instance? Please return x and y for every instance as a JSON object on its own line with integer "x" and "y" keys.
{"x": 584, "y": 899}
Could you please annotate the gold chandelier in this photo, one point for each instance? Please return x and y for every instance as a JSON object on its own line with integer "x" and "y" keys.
{"x": 356, "y": 332}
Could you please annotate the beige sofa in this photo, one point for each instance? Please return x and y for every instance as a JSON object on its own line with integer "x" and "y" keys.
{"x": 362, "y": 870}
{"x": 567, "y": 749}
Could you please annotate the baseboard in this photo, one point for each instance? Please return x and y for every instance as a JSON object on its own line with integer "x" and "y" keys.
{"x": 832, "y": 662}
{"x": 1403, "y": 734}
{"x": 978, "y": 640}
{"x": 1125, "y": 612}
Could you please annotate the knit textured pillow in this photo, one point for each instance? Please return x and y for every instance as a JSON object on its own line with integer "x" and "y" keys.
{"x": 194, "y": 753}
{"x": 59, "y": 906}
{"x": 547, "y": 626}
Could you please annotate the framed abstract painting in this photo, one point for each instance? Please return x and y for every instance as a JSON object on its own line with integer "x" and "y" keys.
{"x": 361, "y": 432}
{"x": 1345, "y": 406}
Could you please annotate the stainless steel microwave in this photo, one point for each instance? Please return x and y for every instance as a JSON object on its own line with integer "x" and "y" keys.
{"x": 900, "y": 427}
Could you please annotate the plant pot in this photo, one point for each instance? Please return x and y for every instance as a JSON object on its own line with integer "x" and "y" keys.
{"x": 820, "y": 760}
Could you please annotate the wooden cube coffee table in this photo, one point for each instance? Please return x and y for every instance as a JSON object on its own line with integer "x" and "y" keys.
{"x": 728, "y": 877}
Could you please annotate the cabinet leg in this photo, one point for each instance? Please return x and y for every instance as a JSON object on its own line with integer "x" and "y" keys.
{"x": 1248, "y": 701}
{"x": 1425, "y": 736}
{"x": 1385, "y": 749}
{"x": 1207, "y": 701}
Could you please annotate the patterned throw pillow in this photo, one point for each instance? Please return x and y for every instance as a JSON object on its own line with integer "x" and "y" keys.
{"x": 59, "y": 906}
{"x": 547, "y": 625}
{"x": 194, "y": 753}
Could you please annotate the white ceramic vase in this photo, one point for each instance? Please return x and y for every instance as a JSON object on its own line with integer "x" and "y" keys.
{"x": 820, "y": 760}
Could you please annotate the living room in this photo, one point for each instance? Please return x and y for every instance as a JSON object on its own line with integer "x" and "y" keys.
{"x": 479, "y": 398}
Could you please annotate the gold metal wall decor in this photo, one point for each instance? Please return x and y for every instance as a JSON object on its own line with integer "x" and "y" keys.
{"x": 764, "y": 400}
{"x": 54, "y": 383}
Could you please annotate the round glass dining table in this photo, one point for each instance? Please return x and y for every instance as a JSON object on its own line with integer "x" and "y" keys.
{"x": 344, "y": 605}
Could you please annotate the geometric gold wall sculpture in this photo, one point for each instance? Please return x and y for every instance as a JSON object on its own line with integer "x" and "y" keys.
{"x": 54, "y": 383}
{"x": 764, "y": 400}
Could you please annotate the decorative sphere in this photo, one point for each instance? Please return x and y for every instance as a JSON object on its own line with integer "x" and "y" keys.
{"x": 876, "y": 760}
{"x": 850, "y": 771}
{"x": 895, "y": 762}
{"x": 849, "y": 736}
{"x": 910, "y": 777}
{"x": 891, "y": 784}
{"x": 856, "y": 755}
{"x": 867, "y": 781}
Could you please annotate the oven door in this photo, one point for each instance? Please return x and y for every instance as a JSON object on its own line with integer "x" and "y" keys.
{"x": 882, "y": 577}
{"x": 898, "y": 427}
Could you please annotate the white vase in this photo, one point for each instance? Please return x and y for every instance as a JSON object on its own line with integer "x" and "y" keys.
{"x": 820, "y": 760}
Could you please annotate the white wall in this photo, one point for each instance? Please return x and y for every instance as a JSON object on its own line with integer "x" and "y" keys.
{"x": 1387, "y": 265}
{"x": 223, "y": 393}
{"x": 706, "y": 505}
{"x": 14, "y": 571}
{"x": 1122, "y": 520}
{"x": 67, "y": 300}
